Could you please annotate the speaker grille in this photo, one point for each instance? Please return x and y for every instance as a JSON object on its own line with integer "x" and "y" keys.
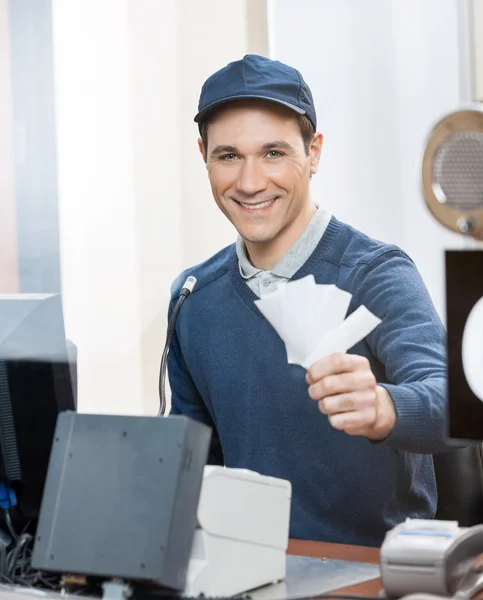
{"x": 458, "y": 171}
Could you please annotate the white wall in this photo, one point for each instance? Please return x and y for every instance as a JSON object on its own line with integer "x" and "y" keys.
{"x": 135, "y": 203}
{"x": 382, "y": 72}
{"x": 98, "y": 178}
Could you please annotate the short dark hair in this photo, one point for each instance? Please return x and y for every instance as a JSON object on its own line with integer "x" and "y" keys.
{"x": 306, "y": 129}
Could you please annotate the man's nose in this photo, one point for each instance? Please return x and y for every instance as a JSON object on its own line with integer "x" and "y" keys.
{"x": 252, "y": 178}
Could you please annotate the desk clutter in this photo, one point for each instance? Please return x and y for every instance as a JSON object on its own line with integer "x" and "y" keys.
{"x": 130, "y": 498}
{"x": 305, "y": 577}
{"x": 130, "y": 510}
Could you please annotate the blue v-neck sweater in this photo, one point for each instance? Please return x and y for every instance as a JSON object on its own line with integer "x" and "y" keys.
{"x": 228, "y": 369}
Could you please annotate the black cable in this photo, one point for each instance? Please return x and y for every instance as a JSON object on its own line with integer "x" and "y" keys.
{"x": 5, "y": 579}
{"x": 14, "y": 555}
{"x": 3, "y": 560}
{"x": 8, "y": 521}
{"x": 184, "y": 293}
{"x": 24, "y": 564}
{"x": 164, "y": 358}
{"x": 16, "y": 562}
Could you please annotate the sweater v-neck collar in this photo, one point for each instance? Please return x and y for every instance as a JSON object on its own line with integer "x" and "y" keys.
{"x": 247, "y": 294}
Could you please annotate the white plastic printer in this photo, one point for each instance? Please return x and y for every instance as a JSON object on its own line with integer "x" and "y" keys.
{"x": 242, "y": 534}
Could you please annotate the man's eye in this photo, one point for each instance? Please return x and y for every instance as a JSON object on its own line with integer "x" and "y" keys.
{"x": 274, "y": 154}
{"x": 228, "y": 157}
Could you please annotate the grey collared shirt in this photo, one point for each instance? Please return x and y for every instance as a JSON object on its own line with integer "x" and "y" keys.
{"x": 263, "y": 282}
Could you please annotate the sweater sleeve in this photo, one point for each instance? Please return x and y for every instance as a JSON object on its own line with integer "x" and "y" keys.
{"x": 185, "y": 397}
{"x": 411, "y": 344}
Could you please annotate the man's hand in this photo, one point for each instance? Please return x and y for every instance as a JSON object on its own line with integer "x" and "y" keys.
{"x": 346, "y": 390}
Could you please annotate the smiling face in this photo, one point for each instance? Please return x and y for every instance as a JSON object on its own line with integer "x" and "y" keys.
{"x": 259, "y": 172}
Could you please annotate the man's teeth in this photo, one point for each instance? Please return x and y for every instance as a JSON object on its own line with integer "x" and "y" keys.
{"x": 255, "y": 206}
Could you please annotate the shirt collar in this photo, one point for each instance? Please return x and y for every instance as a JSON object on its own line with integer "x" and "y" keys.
{"x": 298, "y": 254}
{"x": 247, "y": 270}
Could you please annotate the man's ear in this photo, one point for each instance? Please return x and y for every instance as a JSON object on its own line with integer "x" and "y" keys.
{"x": 315, "y": 151}
{"x": 202, "y": 149}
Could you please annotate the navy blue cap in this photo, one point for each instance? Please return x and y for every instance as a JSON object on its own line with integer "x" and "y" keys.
{"x": 257, "y": 77}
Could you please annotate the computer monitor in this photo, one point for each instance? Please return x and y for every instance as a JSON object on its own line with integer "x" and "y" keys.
{"x": 35, "y": 385}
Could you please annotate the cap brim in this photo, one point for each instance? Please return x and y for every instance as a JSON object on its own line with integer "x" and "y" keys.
{"x": 203, "y": 113}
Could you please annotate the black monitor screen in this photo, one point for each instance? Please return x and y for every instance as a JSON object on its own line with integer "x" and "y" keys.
{"x": 35, "y": 385}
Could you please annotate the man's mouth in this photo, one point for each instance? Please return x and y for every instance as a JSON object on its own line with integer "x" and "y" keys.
{"x": 258, "y": 206}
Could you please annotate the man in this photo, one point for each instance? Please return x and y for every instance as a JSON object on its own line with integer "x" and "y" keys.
{"x": 354, "y": 434}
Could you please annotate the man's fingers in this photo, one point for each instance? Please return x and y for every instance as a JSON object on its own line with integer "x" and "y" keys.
{"x": 335, "y": 363}
{"x": 354, "y": 401}
{"x": 355, "y": 423}
{"x": 343, "y": 383}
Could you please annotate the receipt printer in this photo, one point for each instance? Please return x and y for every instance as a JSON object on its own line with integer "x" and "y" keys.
{"x": 428, "y": 556}
{"x": 241, "y": 539}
